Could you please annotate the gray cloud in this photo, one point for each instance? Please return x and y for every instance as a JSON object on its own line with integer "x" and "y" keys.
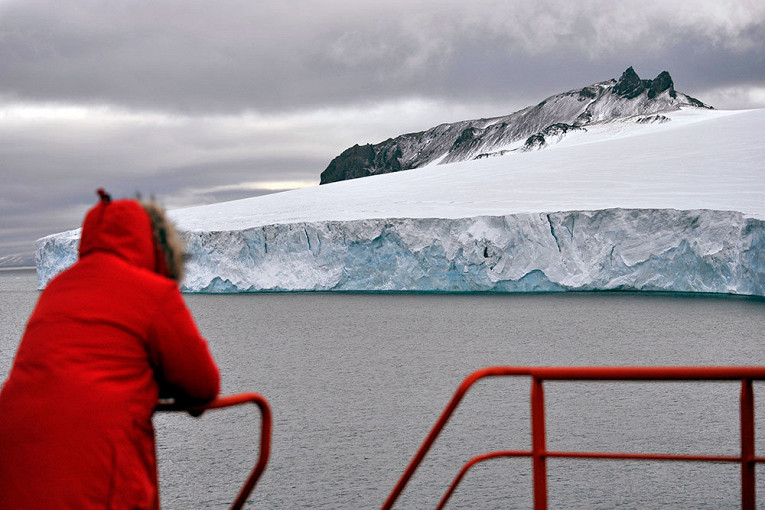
{"x": 273, "y": 56}
{"x": 199, "y": 102}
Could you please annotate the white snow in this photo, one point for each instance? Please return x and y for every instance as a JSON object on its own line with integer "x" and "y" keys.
{"x": 702, "y": 159}
{"x": 675, "y": 206}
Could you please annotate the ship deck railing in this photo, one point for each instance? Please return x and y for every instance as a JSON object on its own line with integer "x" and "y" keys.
{"x": 539, "y": 453}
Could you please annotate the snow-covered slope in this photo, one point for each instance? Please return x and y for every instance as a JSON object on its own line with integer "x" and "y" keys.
{"x": 629, "y": 96}
{"x": 674, "y": 203}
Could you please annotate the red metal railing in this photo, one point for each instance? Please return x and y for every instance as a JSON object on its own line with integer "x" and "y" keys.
{"x": 539, "y": 453}
{"x": 265, "y": 434}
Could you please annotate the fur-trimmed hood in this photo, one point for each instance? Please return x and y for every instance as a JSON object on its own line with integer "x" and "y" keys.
{"x": 137, "y": 231}
{"x": 166, "y": 241}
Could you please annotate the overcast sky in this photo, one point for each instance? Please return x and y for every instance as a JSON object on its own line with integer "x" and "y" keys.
{"x": 204, "y": 101}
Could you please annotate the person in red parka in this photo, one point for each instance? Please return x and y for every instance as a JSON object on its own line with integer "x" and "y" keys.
{"x": 107, "y": 338}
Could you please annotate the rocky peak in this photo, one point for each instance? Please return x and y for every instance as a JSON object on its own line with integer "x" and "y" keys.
{"x": 660, "y": 84}
{"x": 628, "y": 82}
{"x": 631, "y": 86}
{"x": 540, "y": 125}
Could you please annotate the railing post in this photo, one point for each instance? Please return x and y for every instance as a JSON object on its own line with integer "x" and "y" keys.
{"x": 748, "y": 488}
{"x": 265, "y": 452}
{"x": 538, "y": 444}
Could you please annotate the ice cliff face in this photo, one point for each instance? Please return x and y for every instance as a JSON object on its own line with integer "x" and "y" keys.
{"x": 675, "y": 202}
{"x": 629, "y": 96}
{"x": 638, "y": 249}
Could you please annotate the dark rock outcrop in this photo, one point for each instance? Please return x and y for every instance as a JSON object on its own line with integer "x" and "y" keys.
{"x": 363, "y": 160}
{"x": 629, "y": 96}
{"x": 631, "y": 86}
{"x": 541, "y": 139}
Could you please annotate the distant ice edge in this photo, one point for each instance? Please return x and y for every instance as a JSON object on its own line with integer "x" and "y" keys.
{"x": 631, "y": 249}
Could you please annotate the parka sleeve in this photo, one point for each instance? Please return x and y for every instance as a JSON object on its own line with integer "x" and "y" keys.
{"x": 184, "y": 366}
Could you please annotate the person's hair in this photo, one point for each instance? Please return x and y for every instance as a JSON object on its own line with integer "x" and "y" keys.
{"x": 166, "y": 239}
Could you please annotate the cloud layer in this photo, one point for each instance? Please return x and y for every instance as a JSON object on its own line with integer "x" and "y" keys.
{"x": 204, "y": 101}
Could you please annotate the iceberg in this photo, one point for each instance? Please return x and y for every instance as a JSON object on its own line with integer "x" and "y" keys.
{"x": 652, "y": 249}
{"x": 624, "y": 249}
{"x": 673, "y": 206}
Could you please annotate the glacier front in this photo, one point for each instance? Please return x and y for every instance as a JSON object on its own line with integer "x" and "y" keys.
{"x": 677, "y": 206}
{"x": 686, "y": 251}
{"x": 636, "y": 249}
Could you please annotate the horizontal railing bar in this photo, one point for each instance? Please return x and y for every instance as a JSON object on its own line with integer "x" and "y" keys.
{"x": 643, "y": 456}
{"x": 580, "y": 455}
{"x": 609, "y": 455}
{"x": 627, "y": 373}
{"x": 217, "y": 403}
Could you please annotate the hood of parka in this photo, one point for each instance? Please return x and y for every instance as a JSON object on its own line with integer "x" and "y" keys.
{"x": 120, "y": 227}
{"x": 139, "y": 233}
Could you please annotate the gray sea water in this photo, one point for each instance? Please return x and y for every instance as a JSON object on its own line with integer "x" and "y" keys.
{"x": 356, "y": 381}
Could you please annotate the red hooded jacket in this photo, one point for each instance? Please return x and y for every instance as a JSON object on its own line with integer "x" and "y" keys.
{"x": 105, "y": 336}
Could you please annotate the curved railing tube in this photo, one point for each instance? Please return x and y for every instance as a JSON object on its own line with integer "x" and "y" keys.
{"x": 265, "y": 433}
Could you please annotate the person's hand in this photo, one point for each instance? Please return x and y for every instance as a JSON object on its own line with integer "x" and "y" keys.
{"x": 196, "y": 412}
